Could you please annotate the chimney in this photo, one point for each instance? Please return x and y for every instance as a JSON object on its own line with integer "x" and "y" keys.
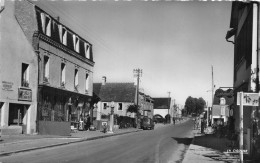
{"x": 104, "y": 80}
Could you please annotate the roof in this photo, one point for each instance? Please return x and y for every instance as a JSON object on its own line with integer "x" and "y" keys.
{"x": 118, "y": 92}
{"x": 162, "y": 103}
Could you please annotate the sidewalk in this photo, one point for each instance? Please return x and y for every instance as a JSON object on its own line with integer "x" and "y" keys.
{"x": 20, "y": 143}
{"x": 208, "y": 148}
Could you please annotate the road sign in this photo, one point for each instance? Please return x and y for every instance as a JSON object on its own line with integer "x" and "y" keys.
{"x": 249, "y": 99}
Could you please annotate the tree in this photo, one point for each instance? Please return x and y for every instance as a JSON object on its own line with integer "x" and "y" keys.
{"x": 133, "y": 108}
{"x": 195, "y": 105}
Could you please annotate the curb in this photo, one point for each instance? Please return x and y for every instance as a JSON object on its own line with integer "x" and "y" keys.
{"x": 65, "y": 143}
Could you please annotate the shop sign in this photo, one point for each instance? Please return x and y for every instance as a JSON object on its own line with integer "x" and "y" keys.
{"x": 249, "y": 99}
{"x": 24, "y": 94}
{"x": 7, "y": 86}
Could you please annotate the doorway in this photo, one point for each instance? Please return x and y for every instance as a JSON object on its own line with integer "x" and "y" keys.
{"x": 18, "y": 115}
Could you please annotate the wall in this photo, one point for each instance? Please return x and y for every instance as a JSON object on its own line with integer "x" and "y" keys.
{"x": 162, "y": 112}
{"x": 16, "y": 49}
{"x": 56, "y": 57}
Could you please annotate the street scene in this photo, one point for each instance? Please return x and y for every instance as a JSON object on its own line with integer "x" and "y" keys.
{"x": 139, "y": 81}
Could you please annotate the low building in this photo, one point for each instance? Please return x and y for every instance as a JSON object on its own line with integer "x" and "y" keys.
{"x": 162, "y": 106}
{"x": 123, "y": 95}
{"x": 221, "y": 106}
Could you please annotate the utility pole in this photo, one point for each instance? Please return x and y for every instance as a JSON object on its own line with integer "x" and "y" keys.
{"x": 137, "y": 73}
{"x": 212, "y": 89}
{"x": 169, "y": 93}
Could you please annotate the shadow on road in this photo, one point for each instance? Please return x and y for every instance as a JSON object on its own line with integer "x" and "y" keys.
{"x": 185, "y": 141}
{"x": 213, "y": 142}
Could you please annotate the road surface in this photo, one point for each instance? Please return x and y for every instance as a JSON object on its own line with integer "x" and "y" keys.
{"x": 165, "y": 144}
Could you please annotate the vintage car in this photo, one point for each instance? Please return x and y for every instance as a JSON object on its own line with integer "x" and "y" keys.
{"x": 147, "y": 123}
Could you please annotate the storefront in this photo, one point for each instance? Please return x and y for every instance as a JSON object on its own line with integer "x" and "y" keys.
{"x": 58, "y": 109}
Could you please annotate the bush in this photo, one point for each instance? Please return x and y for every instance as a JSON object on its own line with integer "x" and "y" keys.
{"x": 125, "y": 122}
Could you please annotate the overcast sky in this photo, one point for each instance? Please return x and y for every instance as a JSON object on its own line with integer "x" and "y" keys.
{"x": 174, "y": 43}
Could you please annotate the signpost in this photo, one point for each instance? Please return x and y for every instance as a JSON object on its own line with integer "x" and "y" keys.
{"x": 245, "y": 99}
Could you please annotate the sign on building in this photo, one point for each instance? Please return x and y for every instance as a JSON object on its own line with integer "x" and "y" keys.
{"x": 24, "y": 94}
{"x": 7, "y": 86}
{"x": 249, "y": 99}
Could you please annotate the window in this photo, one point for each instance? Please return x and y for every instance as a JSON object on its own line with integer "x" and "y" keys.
{"x": 120, "y": 106}
{"x": 76, "y": 43}
{"x": 25, "y": 75}
{"x": 46, "y": 24}
{"x": 46, "y": 69}
{"x": 87, "y": 83}
{"x": 222, "y": 110}
{"x": 76, "y": 80}
{"x": 104, "y": 106}
{"x": 222, "y": 101}
{"x": 63, "y": 71}
{"x": 87, "y": 51}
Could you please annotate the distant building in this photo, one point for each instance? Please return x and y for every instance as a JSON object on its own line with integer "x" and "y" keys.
{"x": 52, "y": 69}
{"x": 221, "y": 107}
{"x": 162, "y": 106}
{"x": 123, "y": 94}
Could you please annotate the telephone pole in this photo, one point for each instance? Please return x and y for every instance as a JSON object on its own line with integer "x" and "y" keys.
{"x": 137, "y": 73}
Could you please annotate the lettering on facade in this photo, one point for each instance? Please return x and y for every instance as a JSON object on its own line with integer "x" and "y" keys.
{"x": 24, "y": 94}
{"x": 7, "y": 86}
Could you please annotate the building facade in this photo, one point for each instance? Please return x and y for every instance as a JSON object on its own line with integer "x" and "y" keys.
{"x": 162, "y": 106}
{"x": 244, "y": 26}
{"x": 62, "y": 75}
{"x": 123, "y": 94}
{"x": 19, "y": 71}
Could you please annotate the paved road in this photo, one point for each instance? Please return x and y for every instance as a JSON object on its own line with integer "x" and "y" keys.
{"x": 163, "y": 145}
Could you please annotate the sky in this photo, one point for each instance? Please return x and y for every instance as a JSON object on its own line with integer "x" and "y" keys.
{"x": 174, "y": 43}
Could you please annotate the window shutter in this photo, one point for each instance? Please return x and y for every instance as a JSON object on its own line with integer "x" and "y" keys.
{"x": 48, "y": 26}
{"x": 87, "y": 50}
{"x": 64, "y": 36}
{"x": 43, "y": 19}
{"x": 60, "y": 33}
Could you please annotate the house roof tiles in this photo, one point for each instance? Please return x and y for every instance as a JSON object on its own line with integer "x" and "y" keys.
{"x": 162, "y": 103}
{"x": 118, "y": 92}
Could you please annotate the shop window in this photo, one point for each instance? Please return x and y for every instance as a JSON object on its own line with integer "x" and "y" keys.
{"x": 76, "y": 80}
{"x": 120, "y": 106}
{"x": 46, "y": 69}
{"x": 87, "y": 51}
{"x": 87, "y": 83}
{"x": 104, "y": 106}
{"x": 25, "y": 75}
{"x": 63, "y": 71}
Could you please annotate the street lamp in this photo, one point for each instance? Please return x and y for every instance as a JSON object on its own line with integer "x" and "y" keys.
{"x": 111, "y": 123}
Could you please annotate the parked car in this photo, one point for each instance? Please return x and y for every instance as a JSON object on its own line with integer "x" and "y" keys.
{"x": 147, "y": 123}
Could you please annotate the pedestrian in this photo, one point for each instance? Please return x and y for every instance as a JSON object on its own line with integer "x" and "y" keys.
{"x": 173, "y": 119}
{"x": 88, "y": 123}
{"x": 202, "y": 126}
{"x": 104, "y": 127}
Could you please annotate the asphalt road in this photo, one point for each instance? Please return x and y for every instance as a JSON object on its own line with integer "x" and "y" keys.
{"x": 165, "y": 144}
